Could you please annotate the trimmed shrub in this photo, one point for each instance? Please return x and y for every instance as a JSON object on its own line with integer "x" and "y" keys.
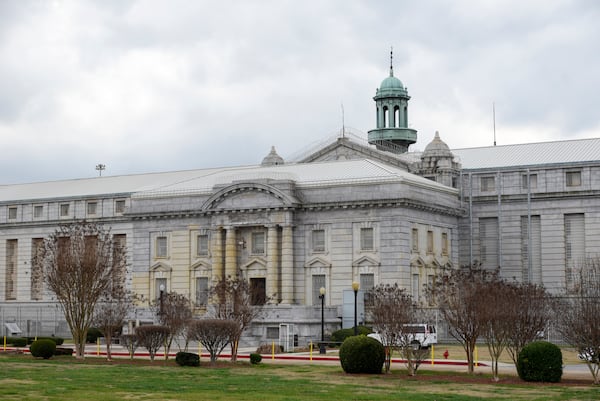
{"x": 540, "y": 361}
{"x": 63, "y": 351}
{"x": 93, "y": 334}
{"x": 187, "y": 359}
{"x": 362, "y": 354}
{"x": 43, "y": 348}
{"x": 341, "y": 335}
{"x": 17, "y": 341}
{"x": 255, "y": 358}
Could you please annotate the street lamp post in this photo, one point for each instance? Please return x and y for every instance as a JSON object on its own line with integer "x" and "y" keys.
{"x": 322, "y": 298}
{"x": 160, "y": 300}
{"x": 355, "y": 287}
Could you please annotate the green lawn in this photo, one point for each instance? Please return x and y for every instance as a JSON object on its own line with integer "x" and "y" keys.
{"x": 23, "y": 378}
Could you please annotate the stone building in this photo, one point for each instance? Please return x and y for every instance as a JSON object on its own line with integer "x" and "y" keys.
{"x": 350, "y": 210}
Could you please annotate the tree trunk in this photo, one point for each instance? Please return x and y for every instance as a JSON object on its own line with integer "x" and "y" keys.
{"x": 470, "y": 362}
{"x": 234, "y": 351}
{"x": 388, "y": 359}
{"x": 108, "y": 339}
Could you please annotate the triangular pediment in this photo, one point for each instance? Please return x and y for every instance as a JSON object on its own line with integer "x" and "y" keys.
{"x": 161, "y": 267}
{"x": 317, "y": 262}
{"x": 365, "y": 261}
{"x": 345, "y": 148}
{"x": 254, "y": 264}
{"x": 201, "y": 265}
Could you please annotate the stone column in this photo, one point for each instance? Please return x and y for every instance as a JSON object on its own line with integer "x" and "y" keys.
{"x": 230, "y": 253}
{"x": 217, "y": 255}
{"x": 273, "y": 265}
{"x": 287, "y": 266}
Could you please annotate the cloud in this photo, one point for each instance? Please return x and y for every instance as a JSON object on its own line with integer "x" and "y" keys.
{"x": 153, "y": 85}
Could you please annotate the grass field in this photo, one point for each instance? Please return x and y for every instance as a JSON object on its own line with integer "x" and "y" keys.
{"x": 24, "y": 378}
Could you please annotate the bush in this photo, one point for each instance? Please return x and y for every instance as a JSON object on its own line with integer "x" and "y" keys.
{"x": 540, "y": 361}
{"x": 43, "y": 348}
{"x": 17, "y": 341}
{"x": 187, "y": 359}
{"x": 341, "y": 335}
{"x": 255, "y": 359}
{"x": 362, "y": 354}
{"x": 92, "y": 335}
{"x": 63, "y": 351}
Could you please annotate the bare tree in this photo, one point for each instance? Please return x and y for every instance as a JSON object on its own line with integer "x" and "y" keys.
{"x": 529, "y": 310}
{"x": 130, "y": 341}
{"x": 393, "y": 314}
{"x": 579, "y": 314}
{"x": 235, "y": 301}
{"x": 109, "y": 316}
{"x": 390, "y": 310}
{"x": 152, "y": 337}
{"x": 80, "y": 263}
{"x": 496, "y": 316}
{"x": 173, "y": 311}
{"x": 458, "y": 293}
{"x": 213, "y": 334}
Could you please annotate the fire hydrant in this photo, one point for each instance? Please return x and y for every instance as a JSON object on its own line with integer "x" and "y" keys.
{"x": 446, "y": 354}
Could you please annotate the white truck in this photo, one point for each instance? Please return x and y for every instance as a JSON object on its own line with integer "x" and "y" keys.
{"x": 422, "y": 334}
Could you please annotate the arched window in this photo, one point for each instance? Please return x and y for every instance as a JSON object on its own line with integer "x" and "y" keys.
{"x": 396, "y": 116}
{"x": 386, "y": 117}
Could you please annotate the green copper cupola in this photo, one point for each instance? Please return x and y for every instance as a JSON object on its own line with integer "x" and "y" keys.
{"x": 392, "y": 133}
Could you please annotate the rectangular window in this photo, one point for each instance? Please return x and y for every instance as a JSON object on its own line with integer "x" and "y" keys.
{"x": 37, "y": 282}
{"x": 488, "y": 242}
{"x": 258, "y": 242}
{"x": 11, "y": 269}
{"x": 119, "y": 252}
{"x": 12, "y": 213}
{"x": 318, "y": 240}
{"x": 367, "y": 282}
{"x": 415, "y": 287}
{"x": 429, "y": 241}
{"x": 38, "y": 211}
{"x": 202, "y": 245}
{"x": 444, "y": 243}
{"x": 415, "y": 239}
{"x": 91, "y": 208}
{"x": 201, "y": 291}
{"x": 531, "y": 249}
{"x": 161, "y": 247}
{"x": 119, "y": 206}
{"x": 488, "y": 184}
{"x": 530, "y": 182}
{"x": 318, "y": 282}
{"x": 273, "y": 333}
{"x": 64, "y": 210}
{"x": 366, "y": 239}
{"x": 574, "y": 245}
{"x": 573, "y": 178}
{"x": 258, "y": 291}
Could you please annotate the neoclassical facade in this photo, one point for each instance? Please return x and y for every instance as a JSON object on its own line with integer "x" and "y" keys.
{"x": 352, "y": 210}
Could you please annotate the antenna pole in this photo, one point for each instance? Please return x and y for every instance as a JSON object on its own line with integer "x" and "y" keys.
{"x": 343, "y": 123}
{"x": 494, "y": 117}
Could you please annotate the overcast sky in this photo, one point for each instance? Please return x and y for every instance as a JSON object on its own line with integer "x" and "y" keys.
{"x": 145, "y": 86}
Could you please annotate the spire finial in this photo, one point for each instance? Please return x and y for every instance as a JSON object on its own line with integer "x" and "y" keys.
{"x": 391, "y": 61}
